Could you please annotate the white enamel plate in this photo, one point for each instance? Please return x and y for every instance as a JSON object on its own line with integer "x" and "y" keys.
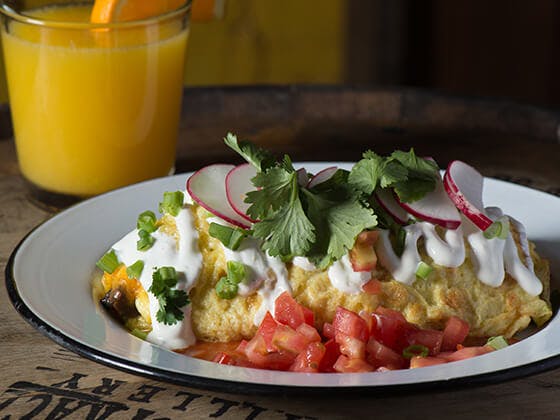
{"x": 48, "y": 278}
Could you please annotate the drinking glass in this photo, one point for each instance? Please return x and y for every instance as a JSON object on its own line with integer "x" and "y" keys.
{"x": 94, "y": 106}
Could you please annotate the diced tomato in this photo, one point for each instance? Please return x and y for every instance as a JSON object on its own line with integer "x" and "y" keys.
{"x": 328, "y": 330}
{"x": 308, "y": 316}
{"x": 418, "y": 361}
{"x": 372, "y": 287}
{"x": 381, "y": 310}
{"x": 362, "y": 255}
{"x": 310, "y": 359}
{"x": 309, "y": 332}
{"x": 288, "y": 312}
{"x": 455, "y": 332}
{"x": 350, "y": 323}
{"x": 209, "y": 351}
{"x": 258, "y": 354}
{"x": 345, "y": 364}
{"x": 266, "y": 331}
{"x": 467, "y": 353}
{"x": 241, "y": 347}
{"x": 286, "y": 338}
{"x": 223, "y": 359}
{"x": 332, "y": 351}
{"x": 361, "y": 342}
{"x": 369, "y": 319}
{"x": 351, "y": 346}
{"x": 380, "y": 355}
{"x": 390, "y": 328}
{"x": 425, "y": 337}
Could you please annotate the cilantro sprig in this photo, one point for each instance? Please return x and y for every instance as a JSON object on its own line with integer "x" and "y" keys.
{"x": 322, "y": 222}
{"x": 410, "y": 176}
{"x": 170, "y": 300}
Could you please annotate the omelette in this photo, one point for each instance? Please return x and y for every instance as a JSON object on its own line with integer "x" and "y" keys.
{"x": 429, "y": 302}
{"x": 388, "y": 233}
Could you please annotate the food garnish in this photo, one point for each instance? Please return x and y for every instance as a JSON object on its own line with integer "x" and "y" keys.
{"x": 322, "y": 219}
{"x": 172, "y": 203}
{"x": 108, "y": 262}
{"x": 315, "y": 272}
{"x": 170, "y": 300}
{"x": 106, "y": 11}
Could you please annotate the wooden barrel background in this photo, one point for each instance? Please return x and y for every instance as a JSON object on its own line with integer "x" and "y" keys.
{"x": 503, "y": 139}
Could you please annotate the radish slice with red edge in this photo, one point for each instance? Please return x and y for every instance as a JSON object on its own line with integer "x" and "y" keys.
{"x": 207, "y": 187}
{"x": 386, "y": 199}
{"x": 302, "y": 177}
{"x": 322, "y": 176}
{"x": 463, "y": 185}
{"x": 238, "y": 184}
{"x": 435, "y": 207}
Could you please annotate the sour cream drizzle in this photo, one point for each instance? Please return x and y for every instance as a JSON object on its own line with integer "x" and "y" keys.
{"x": 345, "y": 279}
{"x": 492, "y": 258}
{"x": 266, "y": 275}
{"x": 184, "y": 255}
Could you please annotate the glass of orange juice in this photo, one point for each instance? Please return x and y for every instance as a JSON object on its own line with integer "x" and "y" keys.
{"x": 95, "y": 106}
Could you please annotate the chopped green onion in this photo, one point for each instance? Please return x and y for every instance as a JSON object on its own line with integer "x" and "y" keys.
{"x": 423, "y": 270}
{"x": 236, "y": 271}
{"x": 498, "y": 229}
{"x": 172, "y": 203}
{"x": 415, "y": 350}
{"x": 133, "y": 271}
{"x": 226, "y": 288}
{"x": 108, "y": 262}
{"x": 139, "y": 333}
{"x": 497, "y": 343}
{"x": 230, "y": 237}
{"x": 163, "y": 278}
{"x": 145, "y": 242}
{"x": 147, "y": 221}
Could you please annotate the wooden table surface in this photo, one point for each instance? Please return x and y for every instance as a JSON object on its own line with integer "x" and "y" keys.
{"x": 40, "y": 379}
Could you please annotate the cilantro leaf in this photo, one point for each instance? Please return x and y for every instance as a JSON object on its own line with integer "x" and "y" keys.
{"x": 288, "y": 232}
{"x": 170, "y": 305}
{"x": 322, "y": 222}
{"x": 346, "y": 222}
{"x": 338, "y": 223}
{"x": 170, "y": 300}
{"x": 274, "y": 190}
{"x": 259, "y": 158}
{"x": 410, "y": 176}
{"x": 366, "y": 174}
{"x": 393, "y": 173}
{"x": 422, "y": 174}
{"x": 415, "y": 163}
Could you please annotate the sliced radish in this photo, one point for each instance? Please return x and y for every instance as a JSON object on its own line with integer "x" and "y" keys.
{"x": 238, "y": 184}
{"x": 302, "y": 177}
{"x": 207, "y": 187}
{"x": 386, "y": 199}
{"x": 435, "y": 207}
{"x": 463, "y": 185}
{"x": 322, "y": 176}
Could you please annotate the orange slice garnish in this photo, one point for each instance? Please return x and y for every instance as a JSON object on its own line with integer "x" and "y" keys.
{"x": 105, "y": 11}
{"x": 207, "y": 10}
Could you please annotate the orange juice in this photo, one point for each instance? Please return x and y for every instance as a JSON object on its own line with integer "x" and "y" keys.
{"x": 94, "y": 108}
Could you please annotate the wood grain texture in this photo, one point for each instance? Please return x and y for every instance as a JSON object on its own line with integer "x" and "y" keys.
{"x": 38, "y": 376}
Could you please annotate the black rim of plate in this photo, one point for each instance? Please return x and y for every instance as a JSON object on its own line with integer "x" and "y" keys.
{"x": 228, "y": 386}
